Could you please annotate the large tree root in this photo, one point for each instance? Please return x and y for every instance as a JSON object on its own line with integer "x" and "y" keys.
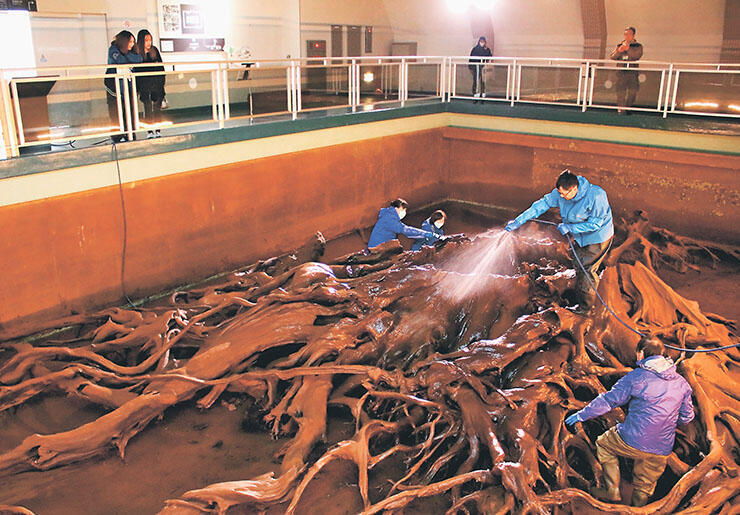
{"x": 469, "y": 386}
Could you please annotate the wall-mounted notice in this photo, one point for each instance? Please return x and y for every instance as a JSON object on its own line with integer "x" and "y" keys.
{"x": 195, "y": 26}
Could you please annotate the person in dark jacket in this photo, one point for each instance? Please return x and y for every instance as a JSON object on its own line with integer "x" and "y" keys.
{"x": 432, "y": 224}
{"x": 122, "y": 51}
{"x": 389, "y": 225}
{"x": 628, "y": 80}
{"x": 479, "y": 50}
{"x": 586, "y": 214}
{"x": 150, "y": 87}
{"x": 659, "y": 400}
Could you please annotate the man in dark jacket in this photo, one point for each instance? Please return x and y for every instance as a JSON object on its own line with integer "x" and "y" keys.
{"x": 389, "y": 225}
{"x": 659, "y": 399}
{"x": 628, "y": 80}
{"x": 586, "y": 214}
{"x": 479, "y": 50}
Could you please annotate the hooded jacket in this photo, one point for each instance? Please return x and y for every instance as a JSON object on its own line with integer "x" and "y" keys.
{"x": 115, "y": 56}
{"x": 389, "y": 226}
{"x": 427, "y": 226}
{"x": 659, "y": 400}
{"x": 587, "y": 216}
{"x": 478, "y": 51}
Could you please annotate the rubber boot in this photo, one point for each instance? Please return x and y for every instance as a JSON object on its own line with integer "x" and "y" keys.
{"x": 610, "y": 490}
{"x": 639, "y": 498}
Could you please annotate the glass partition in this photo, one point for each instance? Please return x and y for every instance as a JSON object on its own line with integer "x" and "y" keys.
{"x": 324, "y": 86}
{"x": 256, "y": 91}
{"x": 496, "y": 79}
{"x": 424, "y": 80}
{"x": 55, "y": 109}
{"x": 611, "y": 83}
{"x": 556, "y": 84}
{"x": 379, "y": 82}
{"x": 700, "y": 92}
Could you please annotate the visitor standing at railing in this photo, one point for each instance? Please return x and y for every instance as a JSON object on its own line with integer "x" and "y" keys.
{"x": 150, "y": 87}
{"x": 628, "y": 81}
{"x": 122, "y": 51}
{"x": 479, "y": 50}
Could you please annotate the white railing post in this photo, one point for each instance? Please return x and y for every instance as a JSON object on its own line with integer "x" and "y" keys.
{"x": 591, "y": 87}
{"x": 219, "y": 97}
{"x": 667, "y": 91}
{"x": 127, "y": 107}
{"x": 289, "y": 87}
{"x": 675, "y": 90}
{"x": 9, "y": 127}
{"x": 119, "y": 101}
{"x": 135, "y": 104}
{"x": 514, "y": 71}
{"x": 453, "y": 78}
{"x": 293, "y": 94}
{"x": 214, "y": 97}
{"x": 227, "y": 103}
{"x": 298, "y": 88}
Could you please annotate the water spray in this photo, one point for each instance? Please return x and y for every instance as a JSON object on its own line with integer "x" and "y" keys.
{"x": 609, "y": 309}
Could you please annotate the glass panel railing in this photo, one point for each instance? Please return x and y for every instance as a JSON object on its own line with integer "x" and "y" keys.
{"x": 549, "y": 84}
{"x": 324, "y": 86}
{"x": 379, "y": 82}
{"x": 492, "y": 80}
{"x": 715, "y": 93}
{"x": 55, "y": 109}
{"x": 424, "y": 80}
{"x": 191, "y": 97}
{"x": 636, "y": 89}
{"x": 257, "y": 91}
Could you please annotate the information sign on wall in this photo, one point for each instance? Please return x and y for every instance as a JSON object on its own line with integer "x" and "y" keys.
{"x": 195, "y": 26}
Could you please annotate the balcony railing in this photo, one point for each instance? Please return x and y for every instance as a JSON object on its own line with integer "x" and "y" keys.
{"x": 44, "y": 107}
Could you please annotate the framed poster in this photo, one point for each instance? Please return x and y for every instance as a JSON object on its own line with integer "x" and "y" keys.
{"x": 191, "y": 26}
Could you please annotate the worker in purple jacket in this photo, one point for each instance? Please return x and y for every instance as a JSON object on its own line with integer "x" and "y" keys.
{"x": 659, "y": 400}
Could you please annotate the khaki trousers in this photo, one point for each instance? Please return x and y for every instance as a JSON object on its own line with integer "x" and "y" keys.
{"x": 591, "y": 256}
{"x": 648, "y": 467}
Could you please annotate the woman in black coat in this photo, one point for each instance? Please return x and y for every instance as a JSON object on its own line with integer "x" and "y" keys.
{"x": 150, "y": 87}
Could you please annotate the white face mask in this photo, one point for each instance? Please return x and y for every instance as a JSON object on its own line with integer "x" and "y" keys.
{"x": 438, "y": 224}
{"x": 401, "y": 213}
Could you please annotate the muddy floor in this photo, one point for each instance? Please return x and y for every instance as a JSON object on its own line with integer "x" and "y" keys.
{"x": 189, "y": 448}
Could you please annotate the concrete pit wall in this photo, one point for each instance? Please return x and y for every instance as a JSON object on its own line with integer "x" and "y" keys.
{"x": 63, "y": 254}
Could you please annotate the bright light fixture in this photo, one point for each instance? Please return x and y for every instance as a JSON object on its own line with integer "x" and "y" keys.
{"x": 460, "y": 6}
{"x": 368, "y": 77}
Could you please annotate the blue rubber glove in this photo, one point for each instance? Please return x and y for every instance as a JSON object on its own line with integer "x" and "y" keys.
{"x": 571, "y": 420}
{"x": 513, "y": 225}
{"x": 563, "y": 228}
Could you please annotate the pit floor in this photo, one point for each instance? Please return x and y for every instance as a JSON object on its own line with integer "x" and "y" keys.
{"x": 190, "y": 448}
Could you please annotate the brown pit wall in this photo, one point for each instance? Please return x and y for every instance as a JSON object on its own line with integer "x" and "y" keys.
{"x": 63, "y": 254}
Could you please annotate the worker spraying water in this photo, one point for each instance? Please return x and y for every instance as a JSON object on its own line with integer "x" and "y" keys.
{"x": 587, "y": 216}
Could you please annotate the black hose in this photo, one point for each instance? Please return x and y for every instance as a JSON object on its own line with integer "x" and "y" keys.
{"x": 625, "y": 324}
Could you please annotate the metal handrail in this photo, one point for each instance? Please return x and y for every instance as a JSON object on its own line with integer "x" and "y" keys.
{"x": 445, "y": 86}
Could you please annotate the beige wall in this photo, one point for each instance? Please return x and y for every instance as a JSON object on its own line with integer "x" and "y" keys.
{"x": 676, "y": 30}
{"x": 671, "y": 30}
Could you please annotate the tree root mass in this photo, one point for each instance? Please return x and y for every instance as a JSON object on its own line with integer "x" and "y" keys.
{"x": 467, "y": 393}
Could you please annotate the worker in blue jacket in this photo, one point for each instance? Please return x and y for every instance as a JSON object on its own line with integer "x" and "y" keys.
{"x": 659, "y": 400}
{"x": 389, "y": 225}
{"x": 432, "y": 224}
{"x": 584, "y": 209}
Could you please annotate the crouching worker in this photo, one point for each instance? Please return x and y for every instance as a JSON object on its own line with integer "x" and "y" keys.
{"x": 432, "y": 224}
{"x": 389, "y": 225}
{"x": 659, "y": 399}
{"x": 586, "y": 214}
